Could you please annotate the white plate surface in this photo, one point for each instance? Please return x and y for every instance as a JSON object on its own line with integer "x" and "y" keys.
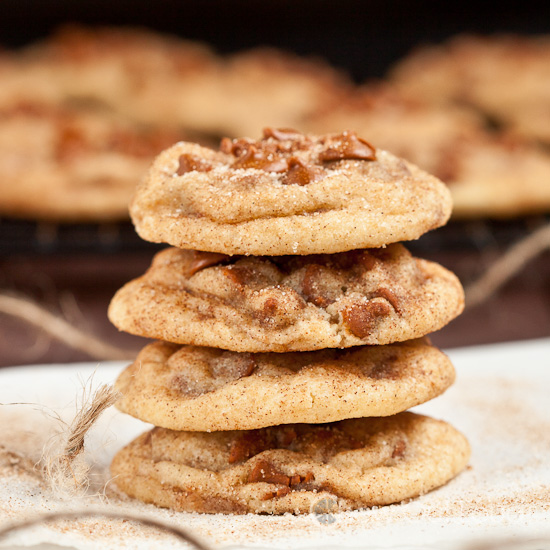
{"x": 501, "y": 401}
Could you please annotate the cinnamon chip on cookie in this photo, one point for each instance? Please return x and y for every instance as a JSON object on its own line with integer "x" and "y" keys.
{"x": 287, "y": 193}
{"x": 355, "y": 463}
{"x": 207, "y": 389}
{"x": 288, "y": 303}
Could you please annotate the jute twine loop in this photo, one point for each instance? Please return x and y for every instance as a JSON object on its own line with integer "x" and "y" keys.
{"x": 63, "y": 465}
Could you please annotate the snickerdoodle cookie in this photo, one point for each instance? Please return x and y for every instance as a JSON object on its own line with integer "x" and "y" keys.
{"x": 354, "y": 463}
{"x": 208, "y": 389}
{"x": 288, "y": 303}
{"x": 410, "y": 128}
{"x": 258, "y": 88}
{"x": 287, "y": 193}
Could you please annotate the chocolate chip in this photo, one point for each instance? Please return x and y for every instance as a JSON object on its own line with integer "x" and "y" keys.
{"x": 70, "y": 142}
{"x": 261, "y": 160}
{"x": 192, "y": 163}
{"x": 294, "y": 480}
{"x": 308, "y": 477}
{"x": 226, "y": 145}
{"x": 233, "y": 366}
{"x": 268, "y": 473}
{"x": 270, "y": 308}
{"x": 281, "y": 134}
{"x": 385, "y": 370}
{"x": 312, "y": 287}
{"x": 388, "y": 295}
{"x": 347, "y": 146}
{"x": 282, "y": 491}
{"x": 360, "y": 318}
{"x": 300, "y": 173}
{"x": 367, "y": 260}
{"x": 239, "y": 275}
{"x": 286, "y": 435}
{"x": 202, "y": 260}
{"x": 249, "y": 444}
{"x": 399, "y": 449}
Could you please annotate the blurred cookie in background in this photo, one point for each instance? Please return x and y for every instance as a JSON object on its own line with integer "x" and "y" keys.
{"x": 134, "y": 72}
{"x": 69, "y": 164}
{"x": 505, "y": 77}
{"x": 259, "y": 88}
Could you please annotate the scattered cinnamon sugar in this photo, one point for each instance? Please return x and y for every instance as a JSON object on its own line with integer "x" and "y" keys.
{"x": 499, "y": 401}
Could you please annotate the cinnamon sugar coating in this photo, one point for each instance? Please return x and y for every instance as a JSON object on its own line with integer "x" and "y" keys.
{"x": 356, "y": 463}
{"x": 287, "y": 193}
{"x": 206, "y": 389}
{"x": 289, "y": 303}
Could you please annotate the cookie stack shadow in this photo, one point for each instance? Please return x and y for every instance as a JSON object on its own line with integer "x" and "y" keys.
{"x": 291, "y": 329}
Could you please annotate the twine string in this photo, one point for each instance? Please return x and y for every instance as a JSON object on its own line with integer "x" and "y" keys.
{"x": 65, "y": 471}
{"x": 507, "y": 266}
{"x": 60, "y": 329}
{"x": 178, "y": 532}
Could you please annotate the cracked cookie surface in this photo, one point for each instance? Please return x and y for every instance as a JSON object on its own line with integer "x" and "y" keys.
{"x": 287, "y": 193}
{"x": 206, "y": 389}
{"x": 355, "y": 463}
{"x": 288, "y": 303}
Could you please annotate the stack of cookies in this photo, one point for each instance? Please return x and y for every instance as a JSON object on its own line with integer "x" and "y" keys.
{"x": 290, "y": 326}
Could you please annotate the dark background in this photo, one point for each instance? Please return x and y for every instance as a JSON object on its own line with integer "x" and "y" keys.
{"x": 363, "y": 37}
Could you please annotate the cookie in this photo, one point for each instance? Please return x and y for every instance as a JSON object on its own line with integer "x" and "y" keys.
{"x": 504, "y": 76}
{"x": 289, "y": 303}
{"x": 207, "y": 389}
{"x": 287, "y": 193}
{"x": 289, "y": 469}
{"x": 26, "y": 81}
{"x": 134, "y": 72}
{"x": 497, "y": 177}
{"x": 72, "y": 164}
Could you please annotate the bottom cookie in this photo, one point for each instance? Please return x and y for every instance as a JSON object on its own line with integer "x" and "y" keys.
{"x": 354, "y": 463}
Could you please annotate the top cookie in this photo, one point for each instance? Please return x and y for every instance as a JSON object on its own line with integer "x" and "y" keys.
{"x": 287, "y": 193}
